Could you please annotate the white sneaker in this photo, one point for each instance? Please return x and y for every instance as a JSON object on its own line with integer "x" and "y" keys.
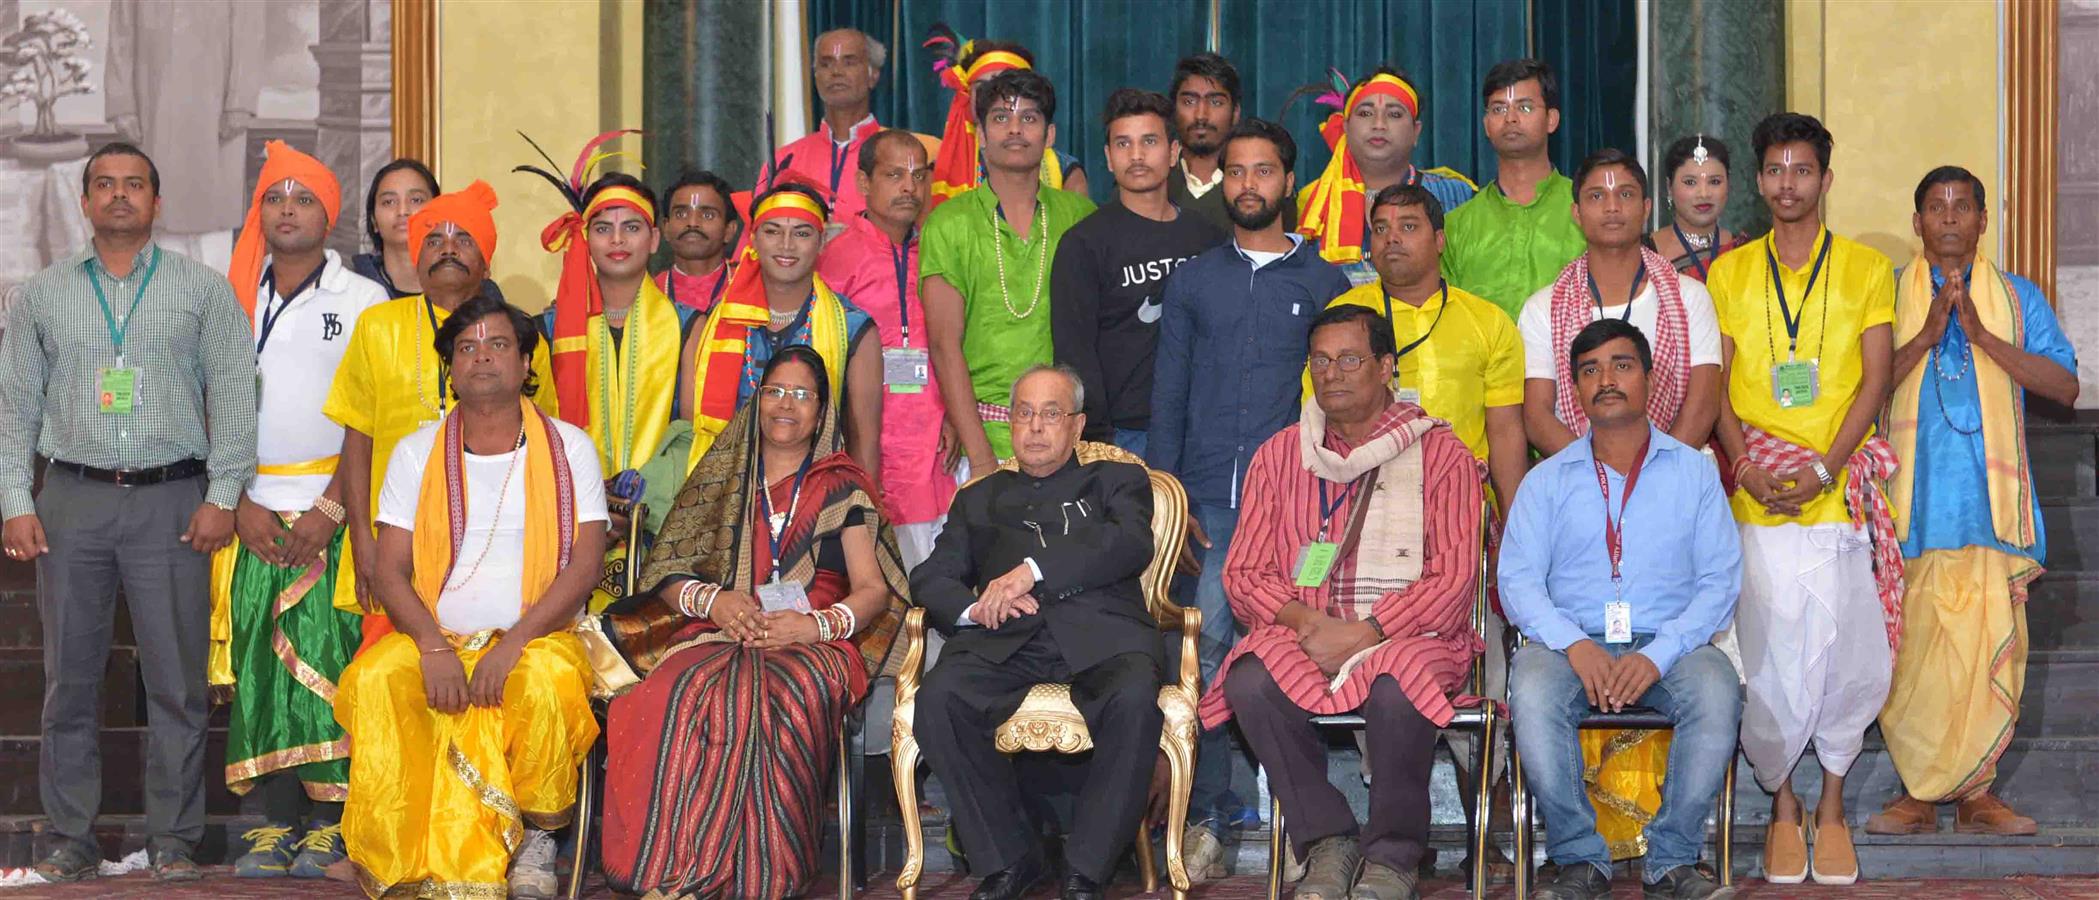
{"x": 532, "y": 869}
{"x": 1202, "y": 854}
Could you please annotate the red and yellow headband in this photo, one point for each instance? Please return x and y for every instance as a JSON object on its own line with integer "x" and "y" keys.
{"x": 619, "y": 195}
{"x": 993, "y": 63}
{"x": 793, "y": 204}
{"x": 1388, "y": 85}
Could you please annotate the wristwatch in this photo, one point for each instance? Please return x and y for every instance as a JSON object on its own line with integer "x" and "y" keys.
{"x": 1822, "y": 474}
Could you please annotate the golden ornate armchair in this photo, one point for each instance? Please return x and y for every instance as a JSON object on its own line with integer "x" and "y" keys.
{"x": 1048, "y": 722}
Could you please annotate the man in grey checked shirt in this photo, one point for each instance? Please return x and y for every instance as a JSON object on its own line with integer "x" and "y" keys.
{"x": 132, "y": 370}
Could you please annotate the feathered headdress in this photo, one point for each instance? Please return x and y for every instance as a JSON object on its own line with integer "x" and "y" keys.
{"x": 1332, "y": 208}
{"x": 955, "y": 169}
{"x": 576, "y": 296}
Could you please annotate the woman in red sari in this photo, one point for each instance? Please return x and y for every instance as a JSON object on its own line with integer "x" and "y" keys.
{"x": 1696, "y": 168}
{"x": 777, "y": 592}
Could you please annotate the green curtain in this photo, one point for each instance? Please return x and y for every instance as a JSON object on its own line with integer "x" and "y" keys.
{"x": 1091, "y": 47}
{"x": 1087, "y": 48}
{"x": 1593, "y": 47}
{"x": 703, "y": 88}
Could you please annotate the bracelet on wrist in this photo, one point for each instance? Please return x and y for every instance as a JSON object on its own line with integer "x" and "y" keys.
{"x": 333, "y": 510}
{"x": 444, "y": 649}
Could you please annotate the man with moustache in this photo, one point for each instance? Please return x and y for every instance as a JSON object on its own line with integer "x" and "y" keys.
{"x": 776, "y": 298}
{"x": 1231, "y": 346}
{"x": 1517, "y": 234}
{"x": 1205, "y": 96}
{"x": 1373, "y": 135}
{"x": 986, "y": 263}
{"x": 845, "y": 66}
{"x": 130, "y": 369}
{"x": 1966, "y": 509}
{"x": 703, "y": 226}
{"x": 280, "y": 639}
{"x": 391, "y": 382}
{"x": 1392, "y": 500}
{"x": 1627, "y": 620}
{"x": 875, "y": 259}
{"x": 1111, "y": 267}
{"x": 1805, "y": 322}
{"x": 616, "y": 340}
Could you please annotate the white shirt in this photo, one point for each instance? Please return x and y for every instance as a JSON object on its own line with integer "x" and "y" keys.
{"x": 1198, "y": 188}
{"x": 1541, "y": 359}
{"x": 295, "y": 368}
{"x": 488, "y": 594}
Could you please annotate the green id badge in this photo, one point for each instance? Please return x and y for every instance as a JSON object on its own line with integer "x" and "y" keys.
{"x": 905, "y": 370}
{"x": 1314, "y": 561}
{"x": 116, "y": 391}
{"x": 1795, "y": 384}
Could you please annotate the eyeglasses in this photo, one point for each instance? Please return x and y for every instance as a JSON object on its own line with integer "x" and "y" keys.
{"x": 1348, "y": 363}
{"x": 1050, "y": 416}
{"x": 776, "y": 392}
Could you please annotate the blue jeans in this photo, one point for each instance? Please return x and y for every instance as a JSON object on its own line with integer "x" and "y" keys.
{"x": 1700, "y": 694}
{"x": 1212, "y": 790}
{"x": 1132, "y": 439}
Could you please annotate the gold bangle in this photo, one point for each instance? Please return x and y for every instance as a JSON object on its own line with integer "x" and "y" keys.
{"x": 443, "y": 649}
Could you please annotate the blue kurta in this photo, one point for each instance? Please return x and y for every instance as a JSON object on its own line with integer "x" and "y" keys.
{"x": 1951, "y": 508}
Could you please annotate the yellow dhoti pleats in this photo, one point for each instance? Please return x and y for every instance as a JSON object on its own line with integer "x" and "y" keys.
{"x": 1955, "y": 694}
{"x": 1623, "y": 772}
{"x": 438, "y": 803}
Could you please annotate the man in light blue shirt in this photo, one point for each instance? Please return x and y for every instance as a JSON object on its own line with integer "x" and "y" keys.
{"x": 1619, "y": 564}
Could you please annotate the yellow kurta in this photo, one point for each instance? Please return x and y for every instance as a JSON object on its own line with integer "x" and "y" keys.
{"x": 387, "y": 385}
{"x": 1472, "y": 360}
{"x": 440, "y": 802}
{"x": 1856, "y": 291}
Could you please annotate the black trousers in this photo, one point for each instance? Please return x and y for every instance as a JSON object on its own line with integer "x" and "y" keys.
{"x": 1401, "y": 744}
{"x": 965, "y": 698}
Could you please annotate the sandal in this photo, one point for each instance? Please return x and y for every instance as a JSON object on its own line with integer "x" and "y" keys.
{"x": 175, "y": 865}
{"x": 68, "y": 863}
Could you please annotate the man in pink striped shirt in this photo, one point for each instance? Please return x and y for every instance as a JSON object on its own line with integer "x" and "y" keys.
{"x": 1355, "y": 569}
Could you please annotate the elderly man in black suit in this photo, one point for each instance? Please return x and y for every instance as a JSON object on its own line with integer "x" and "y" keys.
{"x": 1036, "y": 579}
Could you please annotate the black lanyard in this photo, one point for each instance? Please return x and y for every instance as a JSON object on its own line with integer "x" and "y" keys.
{"x": 670, "y": 284}
{"x": 1639, "y": 275}
{"x": 443, "y": 366}
{"x": 1442, "y": 291}
{"x": 839, "y": 159}
{"x": 775, "y": 536}
{"x": 1713, "y": 250}
{"x": 901, "y": 256}
{"x": 269, "y": 290}
{"x": 1328, "y": 508}
{"x": 1785, "y": 312}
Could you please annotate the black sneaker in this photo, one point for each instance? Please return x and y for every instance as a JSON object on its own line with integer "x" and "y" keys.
{"x": 1685, "y": 883}
{"x": 1579, "y": 881}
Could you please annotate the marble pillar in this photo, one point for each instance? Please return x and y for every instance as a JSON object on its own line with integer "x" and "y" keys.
{"x": 703, "y": 88}
{"x": 354, "y": 132}
{"x": 1717, "y": 66}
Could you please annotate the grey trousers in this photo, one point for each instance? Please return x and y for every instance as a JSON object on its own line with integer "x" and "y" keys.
{"x": 103, "y": 537}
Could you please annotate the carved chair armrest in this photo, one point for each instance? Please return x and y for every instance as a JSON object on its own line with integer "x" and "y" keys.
{"x": 1191, "y": 667}
{"x": 914, "y": 655}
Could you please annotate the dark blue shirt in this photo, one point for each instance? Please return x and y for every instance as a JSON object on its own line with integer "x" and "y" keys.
{"x": 1232, "y": 344}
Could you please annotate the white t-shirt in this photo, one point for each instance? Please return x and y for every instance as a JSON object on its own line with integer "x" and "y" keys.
{"x": 489, "y": 595}
{"x": 1541, "y": 360}
{"x": 296, "y": 366}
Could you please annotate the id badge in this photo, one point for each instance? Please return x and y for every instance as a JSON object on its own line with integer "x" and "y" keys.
{"x": 1795, "y": 384}
{"x": 1410, "y": 395}
{"x": 1314, "y": 561}
{"x": 116, "y": 391}
{"x": 783, "y": 596}
{"x": 1617, "y": 622}
{"x": 904, "y": 369}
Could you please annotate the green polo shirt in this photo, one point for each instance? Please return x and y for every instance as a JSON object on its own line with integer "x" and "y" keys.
{"x": 1004, "y": 331}
{"x": 1505, "y": 251}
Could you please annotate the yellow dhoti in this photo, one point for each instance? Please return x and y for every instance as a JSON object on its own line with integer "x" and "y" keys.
{"x": 1622, "y": 770}
{"x": 438, "y": 803}
{"x": 1955, "y": 695}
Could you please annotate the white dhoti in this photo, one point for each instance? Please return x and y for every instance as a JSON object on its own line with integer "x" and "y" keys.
{"x": 1814, "y": 649}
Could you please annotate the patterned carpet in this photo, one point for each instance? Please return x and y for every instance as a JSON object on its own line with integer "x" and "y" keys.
{"x": 944, "y": 887}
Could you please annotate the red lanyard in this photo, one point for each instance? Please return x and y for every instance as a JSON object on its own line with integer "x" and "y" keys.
{"x": 1614, "y": 531}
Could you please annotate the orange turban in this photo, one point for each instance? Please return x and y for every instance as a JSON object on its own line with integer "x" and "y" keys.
{"x": 471, "y": 209}
{"x": 280, "y": 163}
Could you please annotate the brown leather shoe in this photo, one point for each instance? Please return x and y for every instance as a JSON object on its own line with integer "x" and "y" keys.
{"x": 1836, "y": 860}
{"x": 1905, "y": 815}
{"x": 1785, "y": 853}
{"x": 1985, "y": 814}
